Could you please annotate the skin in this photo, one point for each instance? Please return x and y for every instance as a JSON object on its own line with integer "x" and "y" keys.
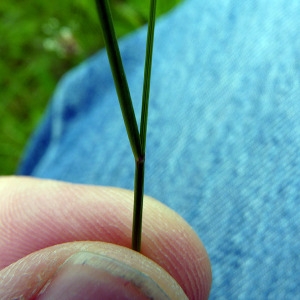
{"x": 43, "y": 222}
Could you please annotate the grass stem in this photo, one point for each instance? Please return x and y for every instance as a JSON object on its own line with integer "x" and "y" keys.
{"x": 138, "y": 205}
{"x": 140, "y": 165}
{"x": 137, "y": 138}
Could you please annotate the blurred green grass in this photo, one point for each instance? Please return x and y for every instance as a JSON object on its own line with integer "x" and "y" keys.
{"x": 39, "y": 42}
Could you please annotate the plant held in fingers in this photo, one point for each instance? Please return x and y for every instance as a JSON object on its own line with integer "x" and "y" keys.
{"x": 137, "y": 136}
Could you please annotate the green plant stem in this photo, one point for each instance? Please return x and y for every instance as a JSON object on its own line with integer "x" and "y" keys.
{"x": 137, "y": 139}
{"x": 140, "y": 165}
{"x": 121, "y": 84}
{"x": 138, "y": 205}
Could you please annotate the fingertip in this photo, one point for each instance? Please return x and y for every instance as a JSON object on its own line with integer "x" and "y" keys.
{"x": 67, "y": 271}
{"x": 178, "y": 249}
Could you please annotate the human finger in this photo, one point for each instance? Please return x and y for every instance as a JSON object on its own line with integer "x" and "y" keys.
{"x": 37, "y": 214}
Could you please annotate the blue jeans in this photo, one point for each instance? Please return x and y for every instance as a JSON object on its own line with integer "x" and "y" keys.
{"x": 223, "y": 146}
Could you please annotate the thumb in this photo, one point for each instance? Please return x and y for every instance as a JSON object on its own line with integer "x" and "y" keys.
{"x": 87, "y": 270}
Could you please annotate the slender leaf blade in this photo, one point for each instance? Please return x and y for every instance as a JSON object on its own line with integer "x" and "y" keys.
{"x": 119, "y": 76}
{"x": 147, "y": 75}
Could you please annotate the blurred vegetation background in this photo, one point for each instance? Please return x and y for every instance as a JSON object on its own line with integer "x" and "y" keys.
{"x": 39, "y": 42}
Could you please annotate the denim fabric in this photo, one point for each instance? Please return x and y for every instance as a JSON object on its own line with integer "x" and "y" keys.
{"x": 223, "y": 145}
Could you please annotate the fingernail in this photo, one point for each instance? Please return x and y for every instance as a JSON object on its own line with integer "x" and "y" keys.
{"x": 87, "y": 275}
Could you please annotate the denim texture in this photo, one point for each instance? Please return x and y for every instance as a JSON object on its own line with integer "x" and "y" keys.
{"x": 223, "y": 146}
